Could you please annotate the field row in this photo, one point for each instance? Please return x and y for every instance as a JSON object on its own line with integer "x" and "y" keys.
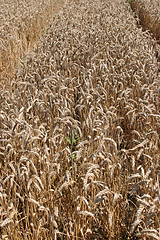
{"x": 22, "y": 23}
{"x": 148, "y": 12}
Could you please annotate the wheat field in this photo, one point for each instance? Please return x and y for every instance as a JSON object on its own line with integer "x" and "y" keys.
{"x": 79, "y": 130}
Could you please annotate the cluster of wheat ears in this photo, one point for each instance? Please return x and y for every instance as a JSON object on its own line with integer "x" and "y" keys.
{"x": 79, "y": 131}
